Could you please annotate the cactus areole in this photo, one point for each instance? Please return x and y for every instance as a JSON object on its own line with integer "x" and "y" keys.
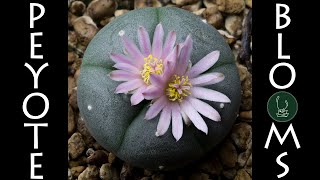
{"x": 159, "y": 88}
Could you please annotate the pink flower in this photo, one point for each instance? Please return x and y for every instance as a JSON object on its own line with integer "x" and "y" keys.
{"x": 177, "y": 92}
{"x": 137, "y": 65}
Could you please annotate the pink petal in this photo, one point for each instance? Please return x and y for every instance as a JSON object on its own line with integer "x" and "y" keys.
{"x": 137, "y": 97}
{"x": 185, "y": 118}
{"x": 156, "y": 107}
{"x": 164, "y": 121}
{"x": 120, "y": 58}
{"x": 194, "y": 116}
{"x": 204, "y": 109}
{"x": 144, "y": 41}
{"x": 119, "y": 75}
{"x": 185, "y": 55}
{"x": 153, "y": 92}
{"x": 157, "y": 41}
{"x": 156, "y": 80}
{"x": 127, "y": 67}
{"x": 129, "y": 86}
{"x": 169, "y": 44}
{"x": 204, "y": 64}
{"x": 208, "y": 94}
{"x": 207, "y": 79}
{"x": 133, "y": 50}
{"x": 177, "y": 124}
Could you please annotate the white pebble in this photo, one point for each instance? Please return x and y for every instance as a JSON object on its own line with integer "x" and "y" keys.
{"x": 221, "y": 105}
{"x": 121, "y": 33}
{"x": 89, "y": 107}
{"x": 161, "y": 167}
{"x": 205, "y": 21}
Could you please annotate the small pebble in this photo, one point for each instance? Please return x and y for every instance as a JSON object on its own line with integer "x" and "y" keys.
{"x": 228, "y": 154}
{"x": 242, "y": 175}
{"x": 234, "y": 6}
{"x": 146, "y": 3}
{"x": 77, "y": 8}
{"x": 249, "y": 3}
{"x": 111, "y": 158}
{"x": 246, "y": 115}
{"x": 76, "y": 171}
{"x": 241, "y": 135}
{"x": 71, "y": 121}
{"x": 76, "y": 145}
{"x": 213, "y": 16}
{"x": 233, "y": 25}
{"x": 90, "y": 173}
{"x": 99, "y": 9}
{"x": 80, "y": 161}
{"x": 98, "y": 158}
{"x": 120, "y": 12}
{"x": 220, "y": 3}
{"x": 229, "y": 173}
{"x": 183, "y": 2}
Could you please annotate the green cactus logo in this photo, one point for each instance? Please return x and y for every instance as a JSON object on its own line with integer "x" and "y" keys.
{"x": 282, "y": 106}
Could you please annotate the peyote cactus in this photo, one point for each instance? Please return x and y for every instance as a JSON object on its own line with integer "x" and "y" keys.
{"x": 186, "y": 60}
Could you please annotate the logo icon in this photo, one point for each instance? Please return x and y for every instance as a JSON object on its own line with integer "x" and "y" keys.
{"x": 283, "y": 112}
{"x": 282, "y": 106}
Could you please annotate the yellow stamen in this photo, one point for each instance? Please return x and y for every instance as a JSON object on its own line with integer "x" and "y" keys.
{"x": 178, "y": 88}
{"x": 152, "y": 65}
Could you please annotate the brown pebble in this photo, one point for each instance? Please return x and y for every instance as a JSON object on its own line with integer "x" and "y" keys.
{"x": 80, "y": 161}
{"x": 146, "y": 3}
{"x": 183, "y": 2}
{"x": 249, "y": 3}
{"x": 71, "y": 121}
{"x": 73, "y": 99}
{"x": 229, "y": 39}
{"x": 241, "y": 135}
{"x": 77, "y": 8}
{"x": 213, "y": 17}
{"x": 82, "y": 128}
{"x": 234, "y": 6}
{"x": 71, "y": 18}
{"x": 76, "y": 76}
{"x": 111, "y": 158}
{"x": 192, "y": 7}
{"x": 228, "y": 154}
{"x": 71, "y": 85}
{"x": 99, "y": 9}
{"x": 106, "y": 172}
{"x": 71, "y": 57}
{"x": 233, "y": 25}
{"x": 158, "y": 177}
{"x": 72, "y": 38}
{"x": 212, "y": 166}
{"x": 220, "y": 3}
{"x": 76, "y": 145}
{"x": 98, "y": 158}
{"x": 90, "y": 173}
{"x": 97, "y": 146}
{"x": 242, "y": 175}
{"x": 246, "y": 115}
{"x": 147, "y": 172}
{"x": 199, "y": 176}
{"x": 229, "y": 173}
{"x": 120, "y": 12}
{"x": 76, "y": 171}
{"x": 85, "y": 28}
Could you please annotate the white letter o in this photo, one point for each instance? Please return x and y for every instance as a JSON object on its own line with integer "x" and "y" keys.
{"x": 46, "y": 107}
{"x": 293, "y": 75}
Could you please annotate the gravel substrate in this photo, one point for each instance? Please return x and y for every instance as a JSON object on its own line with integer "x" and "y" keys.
{"x": 232, "y": 159}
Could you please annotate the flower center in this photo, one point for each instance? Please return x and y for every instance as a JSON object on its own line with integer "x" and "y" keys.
{"x": 178, "y": 88}
{"x": 152, "y": 65}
